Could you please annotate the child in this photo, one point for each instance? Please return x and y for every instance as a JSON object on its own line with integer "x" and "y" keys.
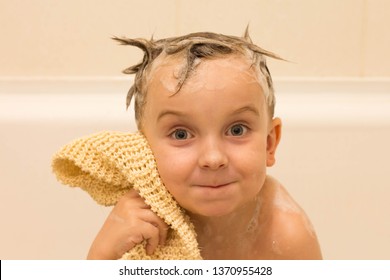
{"x": 205, "y": 103}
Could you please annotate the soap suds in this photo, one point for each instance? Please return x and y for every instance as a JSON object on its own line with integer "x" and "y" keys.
{"x": 285, "y": 203}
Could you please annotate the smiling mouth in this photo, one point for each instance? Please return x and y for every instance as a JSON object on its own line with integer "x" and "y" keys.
{"x": 214, "y": 186}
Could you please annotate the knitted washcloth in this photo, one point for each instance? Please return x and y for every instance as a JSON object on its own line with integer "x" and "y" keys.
{"x": 106, "y": 165}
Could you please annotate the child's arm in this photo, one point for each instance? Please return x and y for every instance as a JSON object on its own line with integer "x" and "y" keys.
{"x": 130, "y": 222}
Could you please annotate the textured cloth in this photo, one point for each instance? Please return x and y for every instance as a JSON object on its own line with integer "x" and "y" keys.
{"x": 107, "y": 165}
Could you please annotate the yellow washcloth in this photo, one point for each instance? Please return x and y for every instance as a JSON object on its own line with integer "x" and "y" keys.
{"x": 108, "y": 164}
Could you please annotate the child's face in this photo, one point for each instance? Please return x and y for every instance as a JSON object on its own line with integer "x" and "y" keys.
{"x": 213, "y": 139}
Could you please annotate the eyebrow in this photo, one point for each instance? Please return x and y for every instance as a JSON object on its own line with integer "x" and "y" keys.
{"x": 249, "y": 108}
{"x": 169, "y": 112}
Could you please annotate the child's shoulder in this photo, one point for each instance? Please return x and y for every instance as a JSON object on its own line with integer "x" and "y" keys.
{"x": 290, "y": 233}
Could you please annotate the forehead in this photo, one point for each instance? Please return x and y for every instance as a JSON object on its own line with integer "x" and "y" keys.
{"x": 207, "y": 74}
{"x": 230, "y": 82}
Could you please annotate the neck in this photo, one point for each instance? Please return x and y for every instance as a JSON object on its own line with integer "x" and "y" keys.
{"x": 242, "y": 220}
{"x": 223, "y": 233}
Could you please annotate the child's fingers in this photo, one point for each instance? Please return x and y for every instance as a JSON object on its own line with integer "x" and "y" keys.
{"x": 150, "y": 217}
{"x": 152, "y": 242}
{"x": 163, "y": 233}
{"x": 148, "y": 232}
{"x": 141, "y": 222}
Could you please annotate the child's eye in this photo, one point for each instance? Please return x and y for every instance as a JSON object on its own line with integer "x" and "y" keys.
{"x": 237, "y": 130}
{"x": 181, "y": 134}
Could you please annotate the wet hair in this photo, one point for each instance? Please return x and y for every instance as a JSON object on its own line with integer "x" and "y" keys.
{"x": 194, "y": 48}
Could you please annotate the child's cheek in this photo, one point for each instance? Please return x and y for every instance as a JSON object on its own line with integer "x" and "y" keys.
{"x": 174, "y": 164}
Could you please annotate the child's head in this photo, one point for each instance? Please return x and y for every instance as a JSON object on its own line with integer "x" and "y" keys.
{"x": 188, "y": 52}
{"x": 205, "y": 104}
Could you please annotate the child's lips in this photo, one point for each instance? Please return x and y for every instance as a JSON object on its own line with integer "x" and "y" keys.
{"x": 214, "y": 186}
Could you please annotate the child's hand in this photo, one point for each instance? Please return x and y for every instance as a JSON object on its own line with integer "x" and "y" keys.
{"x": 130, "y": 222}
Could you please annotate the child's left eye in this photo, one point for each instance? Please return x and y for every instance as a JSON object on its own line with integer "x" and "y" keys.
{"x": 237, "y": 130}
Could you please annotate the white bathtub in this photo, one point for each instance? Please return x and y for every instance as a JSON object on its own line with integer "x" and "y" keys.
{"x": 333, "y": 159}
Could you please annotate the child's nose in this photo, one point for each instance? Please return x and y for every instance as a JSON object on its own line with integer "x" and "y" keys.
{"x": 213, "y": 155}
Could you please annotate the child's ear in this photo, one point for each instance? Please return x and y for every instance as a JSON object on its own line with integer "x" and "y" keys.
{"x": 273, "y": 139}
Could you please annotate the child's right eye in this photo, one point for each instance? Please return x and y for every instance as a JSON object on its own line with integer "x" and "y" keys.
{"x": 181, "y": 134}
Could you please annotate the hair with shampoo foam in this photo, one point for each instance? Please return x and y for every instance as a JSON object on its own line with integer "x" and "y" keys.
{"x": 194, "y": 48}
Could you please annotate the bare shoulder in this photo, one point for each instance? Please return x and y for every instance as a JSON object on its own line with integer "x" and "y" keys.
{"x": 290, "y": 231}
